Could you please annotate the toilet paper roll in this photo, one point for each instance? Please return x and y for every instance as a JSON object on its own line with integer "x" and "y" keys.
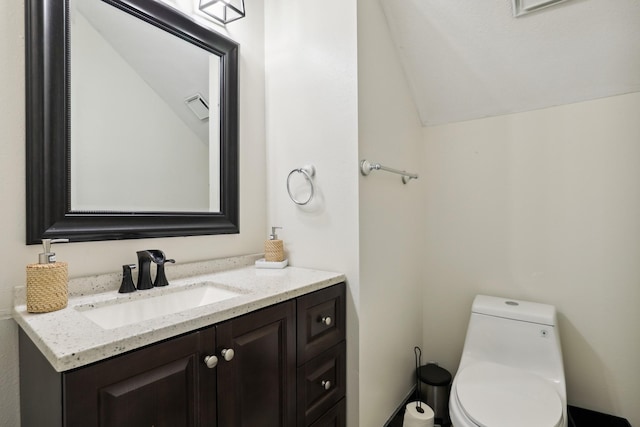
{"x": 413, "y": 418}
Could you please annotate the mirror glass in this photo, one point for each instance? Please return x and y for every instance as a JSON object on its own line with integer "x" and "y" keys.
{"x": 132, "y": 122}
{"x": 142, "y": 104}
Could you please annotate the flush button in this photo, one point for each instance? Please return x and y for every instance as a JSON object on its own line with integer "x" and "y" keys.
{"x": 511, "y": 303}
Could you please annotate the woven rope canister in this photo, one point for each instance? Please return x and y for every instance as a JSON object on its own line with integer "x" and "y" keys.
{"x": 46, "y": 287}
{"x": 273, "y": 251}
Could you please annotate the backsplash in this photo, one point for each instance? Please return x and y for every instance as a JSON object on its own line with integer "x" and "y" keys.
{"x": 87, "y": 285}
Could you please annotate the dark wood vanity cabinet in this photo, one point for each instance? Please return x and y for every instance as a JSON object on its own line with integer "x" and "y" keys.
{"x": 163, "y": 385}
{"x": 257, "y": 388}
{"x": 270, "y": 379}
{"x": 321, "y": 350}
{"x": 169, "y": 384}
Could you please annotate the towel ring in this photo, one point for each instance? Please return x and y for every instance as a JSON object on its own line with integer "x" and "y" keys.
{"x": 309, "y": 171}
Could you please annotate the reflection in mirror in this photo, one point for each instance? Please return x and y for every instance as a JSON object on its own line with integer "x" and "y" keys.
{"x": 156, "y": 151}
{"x": 92, "y": 173}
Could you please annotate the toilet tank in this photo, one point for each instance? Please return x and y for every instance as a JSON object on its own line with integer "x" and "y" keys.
{"x": 515, "y": 333}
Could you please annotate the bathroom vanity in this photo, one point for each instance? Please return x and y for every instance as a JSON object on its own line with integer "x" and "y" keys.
{"x": 274, "y": 355}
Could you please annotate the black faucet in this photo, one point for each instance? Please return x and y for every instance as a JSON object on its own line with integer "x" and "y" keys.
{"x": 144, "y": 270}
{"x": 144, "y": 262}
{"x": 127, "y": 281}
{"x": 161, "y": 278}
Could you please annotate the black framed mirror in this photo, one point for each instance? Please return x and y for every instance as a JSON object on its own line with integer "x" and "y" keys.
{"x": 49, "y": 178}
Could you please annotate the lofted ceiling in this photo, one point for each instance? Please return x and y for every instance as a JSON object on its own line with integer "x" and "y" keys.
{"x": 468, "y": 59}
{"x": 173, "y": 68}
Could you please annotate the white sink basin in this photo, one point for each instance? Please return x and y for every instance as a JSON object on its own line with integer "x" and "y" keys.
{"x": 119, "y": 314}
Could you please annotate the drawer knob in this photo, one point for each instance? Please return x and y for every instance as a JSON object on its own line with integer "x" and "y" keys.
{"x": 326, "y": 320}
{"x": 211, "y": 361}
{"x": 227, "y": 354}
{"x": 326, "y": 384}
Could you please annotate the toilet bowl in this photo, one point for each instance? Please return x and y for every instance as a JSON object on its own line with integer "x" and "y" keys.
{"x": 511, "y": 372}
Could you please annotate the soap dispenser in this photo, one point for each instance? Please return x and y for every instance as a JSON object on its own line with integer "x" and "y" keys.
{"x": 47, "y": 281}
{"x": 273, "y": 248}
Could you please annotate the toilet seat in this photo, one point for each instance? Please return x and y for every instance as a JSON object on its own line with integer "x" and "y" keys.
{"x": 493, "y": 395}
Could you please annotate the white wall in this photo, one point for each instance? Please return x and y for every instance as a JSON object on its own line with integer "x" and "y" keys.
{"x": 390, "y": 222}
{"x": 311, "y": 104}
{"x": 11, "y": 197}
{"x": 100, "y": 257}
{"x": 544, "y": 206}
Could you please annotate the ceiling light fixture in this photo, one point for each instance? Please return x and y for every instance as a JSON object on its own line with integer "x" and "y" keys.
{"x": 522, "y": 7}
{"x": 223, "y": 11}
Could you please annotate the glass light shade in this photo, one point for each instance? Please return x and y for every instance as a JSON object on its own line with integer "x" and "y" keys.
{"x": 224, "y": 11}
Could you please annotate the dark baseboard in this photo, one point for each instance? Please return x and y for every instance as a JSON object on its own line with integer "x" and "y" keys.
{"x": 579, "y": 417}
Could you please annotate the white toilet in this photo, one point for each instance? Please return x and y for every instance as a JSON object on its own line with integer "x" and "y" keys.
{"x": 511, "y": 372}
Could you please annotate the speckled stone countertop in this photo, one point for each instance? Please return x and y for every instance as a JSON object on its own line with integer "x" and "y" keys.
{"x": 69, "y": 340}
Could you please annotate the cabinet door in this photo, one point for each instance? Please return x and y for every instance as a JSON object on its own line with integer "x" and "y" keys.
{"x": 256, "y": 388}
{"x": 166, "y": 384}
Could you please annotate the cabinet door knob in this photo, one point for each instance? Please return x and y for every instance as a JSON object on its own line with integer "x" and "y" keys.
{"x": 326, "y": 384}
{"x": 326, "y": 320}
{"x": 227, "y": 354}
{"x": 211, "y": 361}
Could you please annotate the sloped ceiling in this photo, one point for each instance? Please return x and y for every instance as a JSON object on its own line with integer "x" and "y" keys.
{"x": 467, "y": 59}
{"x": 172, "y": 67}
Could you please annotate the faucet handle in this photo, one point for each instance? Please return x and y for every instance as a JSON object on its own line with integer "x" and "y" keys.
{"x": 161, "y": 277}
{"x": 127, "y": 280}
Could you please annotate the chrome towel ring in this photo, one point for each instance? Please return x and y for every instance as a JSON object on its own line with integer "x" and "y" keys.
{"x": 308, "y": 171}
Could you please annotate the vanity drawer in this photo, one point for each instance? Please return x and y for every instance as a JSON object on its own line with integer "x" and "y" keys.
{"x": 321, "y": 384}
{"x": 335, "y": 417}
{"x": 321, "y": 321}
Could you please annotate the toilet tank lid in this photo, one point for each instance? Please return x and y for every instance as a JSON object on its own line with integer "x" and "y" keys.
{"x": 526, "y": 311}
